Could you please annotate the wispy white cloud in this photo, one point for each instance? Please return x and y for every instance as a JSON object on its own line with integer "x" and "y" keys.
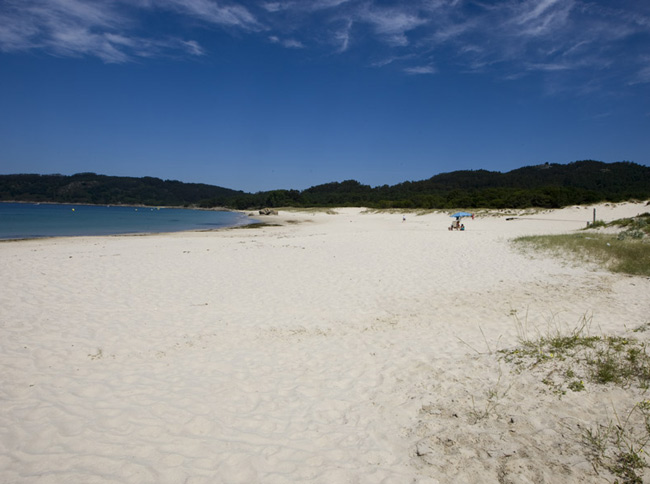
{"x": 213, "y": 12}
{"x": 549, "y": 67}
{"x": 542, "y": 18}
{"x": 512, "y": 38}
{"x": 16, "y": 34}
{"x": 342, "y": 36}
{"x": 388, "y": 25}
{"x": 420, "y": 70}
{"x": 65, "y": 27}
{"x": 274, "y": 6}
{"x": 445, "y": 32}
{"x": 402, "y": 61}
{"x": 643, "y": 74}
{"x": 107, "y": 30}
{"x": 312, "y": 5}
{"x": 602, "y": 115}
{"x": 534, "y": 10}
{"x": 293, "y": 44}
{"x": 289, "y": 43}
{"x": 392, "y": 24}
{"x": 521, "y": 37}
{"x": 323, "y": 4}
{"x": 192, "y": 47}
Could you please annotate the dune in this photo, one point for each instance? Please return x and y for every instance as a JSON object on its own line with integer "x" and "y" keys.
{"x": 347, "y": 346}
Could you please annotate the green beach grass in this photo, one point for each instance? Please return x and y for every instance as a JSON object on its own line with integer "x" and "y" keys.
{"x": 577, "y": 361}
{"x": 626, "y": 252}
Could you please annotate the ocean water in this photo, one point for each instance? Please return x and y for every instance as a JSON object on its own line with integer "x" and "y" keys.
{"x": 29, "y": 220}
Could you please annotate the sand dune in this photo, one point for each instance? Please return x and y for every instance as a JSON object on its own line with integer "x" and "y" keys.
{"x": 334, "y": 348}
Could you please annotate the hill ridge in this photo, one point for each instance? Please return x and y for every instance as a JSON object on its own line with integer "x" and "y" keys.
{"x": 549, "y": 185}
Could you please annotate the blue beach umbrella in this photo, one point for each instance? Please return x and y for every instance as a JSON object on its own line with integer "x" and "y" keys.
{"x": 461, "y": 214}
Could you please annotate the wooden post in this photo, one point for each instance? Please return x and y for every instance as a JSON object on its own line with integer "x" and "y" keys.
{"x": 594, "y": 215}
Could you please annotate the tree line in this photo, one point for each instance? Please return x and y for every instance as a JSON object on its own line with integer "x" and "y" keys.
{"x": 547, "y": 186}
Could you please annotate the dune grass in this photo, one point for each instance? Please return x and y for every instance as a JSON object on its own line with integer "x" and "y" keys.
{"x": 579, "y": 356}
{"x": 579, "y": 361}
{"x": 627, "y": 252}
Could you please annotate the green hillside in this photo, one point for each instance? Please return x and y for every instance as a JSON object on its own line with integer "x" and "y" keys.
{"x": 109, "y": 190}
{"x": 547, "y": 185}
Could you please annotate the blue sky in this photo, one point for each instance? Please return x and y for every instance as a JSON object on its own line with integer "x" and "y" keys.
{"x": 258, "y": 95}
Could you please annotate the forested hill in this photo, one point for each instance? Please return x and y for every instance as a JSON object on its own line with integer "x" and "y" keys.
{"x": 96, "y": 189}
{"x": 547, "y": 185}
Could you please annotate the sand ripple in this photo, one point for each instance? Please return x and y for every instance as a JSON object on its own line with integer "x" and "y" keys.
{"x": 333, "y": 351}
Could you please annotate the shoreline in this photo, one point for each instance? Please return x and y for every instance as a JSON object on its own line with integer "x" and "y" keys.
{"x": 219, "y": 209}
{"x": 328, "y": 347}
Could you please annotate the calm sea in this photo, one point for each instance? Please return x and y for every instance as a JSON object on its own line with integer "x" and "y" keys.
{"x": 27, "y": 220}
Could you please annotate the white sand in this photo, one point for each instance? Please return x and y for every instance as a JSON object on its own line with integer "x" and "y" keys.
{"x": 346, "y": 348}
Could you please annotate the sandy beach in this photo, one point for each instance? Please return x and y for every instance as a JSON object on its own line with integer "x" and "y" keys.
{"x": 330, "y": 347}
